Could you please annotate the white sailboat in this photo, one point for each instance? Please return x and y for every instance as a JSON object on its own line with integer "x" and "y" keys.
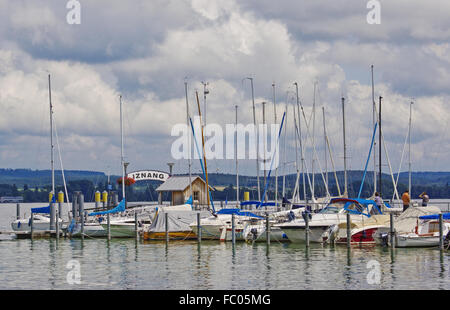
{"x": 41, "y": 221}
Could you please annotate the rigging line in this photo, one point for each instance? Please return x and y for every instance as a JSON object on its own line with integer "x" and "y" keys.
{"x": 401, "y": 159}
{"x": 314, "y": 150}
{"x": 61, "y": 163}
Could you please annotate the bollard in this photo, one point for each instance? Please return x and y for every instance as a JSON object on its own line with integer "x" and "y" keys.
{"x": 60, "y": 204}
{"x": 392, "y": 230}
{"x": 199, "y": 229}
{"x": 136, "y": 234}
{"x": 18, "y": 211}
{"x": 167, "y": 226}
{"x": 32, "y": 226}
{"x": 74, "y": 206}
{"x": 441, "y": 232}
{"x": 81, "y": 211}
{"x": 97, "y": 199}
{"x": 57, "y": 225}
{"x": 233, "y": 230}
{"x": 307, "y": 229}
{"x": 267, "y": 230}
{"x": 349, "y": 234}
{"x": 108, "y": 227}
{"x": 52, "y": 216}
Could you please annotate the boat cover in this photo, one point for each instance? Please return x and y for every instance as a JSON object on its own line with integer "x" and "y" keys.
{"x": 179, "y": 220}
{"x": 407, "y": 221}
{"x": 445, "y": 216}
{"x": 120, "y": 208}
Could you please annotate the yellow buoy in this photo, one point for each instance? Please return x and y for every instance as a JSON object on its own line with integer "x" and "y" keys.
{"x": 246, "y": 196}
{"x": 60, "y": 196}
{"x": 105, "y": 196}
{"x": 50, "y": 196}
{"x": 97, "y": 196}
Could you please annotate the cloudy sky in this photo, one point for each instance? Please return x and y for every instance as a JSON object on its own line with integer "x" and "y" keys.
{"x": 145, "y": 50}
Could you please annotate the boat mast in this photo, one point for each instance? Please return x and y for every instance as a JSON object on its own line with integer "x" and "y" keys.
{"x": 325, "y": 145}
{"x": 51, "y": 136}
{"x": 236, "y": 151}
{"x": 374, "y": 120}
{"x": 284, "y": 164}
{"x": 301, "y": 145}
{"x": 205, "y": 92}
{"x": 276, "y": 169}
{"x": 257, "y": 139}
{"x": 345, "y": 149}
{"x": 121, "y": 149}
{"x": 203, "y": 146}
{"x": 379, "y": 147}
{"x": 409, "y": 147}
{"x": 313, "y": 138}
{"x": 264, "y": 143}
{"x": 189, "y": 140}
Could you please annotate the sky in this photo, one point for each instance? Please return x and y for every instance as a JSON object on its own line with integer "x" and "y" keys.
{"x": 146, "y": 50}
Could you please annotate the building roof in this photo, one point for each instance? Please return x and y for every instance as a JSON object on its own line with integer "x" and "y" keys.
{"x": 178, "y": 183}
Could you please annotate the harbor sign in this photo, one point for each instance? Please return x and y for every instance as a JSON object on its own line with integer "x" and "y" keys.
{"x": 148, "y": 175}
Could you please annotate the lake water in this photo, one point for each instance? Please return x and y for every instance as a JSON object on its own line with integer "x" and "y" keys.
{"x": 130, "y": 264}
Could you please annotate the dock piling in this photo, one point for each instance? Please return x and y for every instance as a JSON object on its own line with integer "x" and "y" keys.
{"x": 32, "y": 225}
{"x": 307, "y": 229}
{"x": 199, "y": 229}
{"x": 392, "y": 230}
{"x": 233, "y": 229}
{"x": 108, "y": 226}
{"x": 57, "y": 224}
{"x": 81, "y": 210}
{"x": 136, "y": 233}
{"x": 267, "y": 230}
{"x": 349, "y": 235}
{"x": 441, "y": 232}
{"x": 18, "y": 211}
{"x": 167, "y": 226}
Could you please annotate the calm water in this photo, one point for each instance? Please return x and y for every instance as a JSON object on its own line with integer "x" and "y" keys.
{"x": 127, "y": 264}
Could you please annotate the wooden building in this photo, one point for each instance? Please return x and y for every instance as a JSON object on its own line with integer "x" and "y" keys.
{"x": 179, "y": 187}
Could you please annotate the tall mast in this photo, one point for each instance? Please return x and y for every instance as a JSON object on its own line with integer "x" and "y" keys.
{"x": 409, "y": 151}
{"x": 345, "y": 149}
{"x": 51, "y": 135}
{"x": 257, "y": 139}
{"x": 189, "y": 140}
{"x": 276, "y": 169}
{"x": 236, "y": 151}
{"x": 301, "y": 145}
{"x": 313, "y": 139}
{"x": 325, "y": 146}
{"x": 374, "y": 120}
{"x": 264, "y": 142}
{"x": 121, "y": 149}
{"x": 203, "y": 146}
{"x": 284, "y": 164}
{"x": 379, "y": 147}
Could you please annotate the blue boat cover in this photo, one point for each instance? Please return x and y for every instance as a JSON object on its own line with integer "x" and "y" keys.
{"x": 445, "y": 216}
{"x": 258, "y": 203}
{"x": 43, "y": 209}
{"x": 238, "y": 212}
{"x": 120, "y": 208}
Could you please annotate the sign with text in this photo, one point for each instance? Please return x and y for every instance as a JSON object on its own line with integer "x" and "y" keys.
{"x": 148, "y": 175}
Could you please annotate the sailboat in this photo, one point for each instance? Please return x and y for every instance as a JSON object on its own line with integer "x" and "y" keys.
{"x": 39, "y": 218}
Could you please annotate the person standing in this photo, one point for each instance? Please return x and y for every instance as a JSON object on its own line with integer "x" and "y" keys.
{"x": 378, "y": 200}
{"x": 406, "y": 200}
{"x": 425, "y": 199}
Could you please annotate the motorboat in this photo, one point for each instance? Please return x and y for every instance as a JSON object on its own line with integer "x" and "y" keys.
{"x": 322, "y": 225}
{"x": 415, "y": 227}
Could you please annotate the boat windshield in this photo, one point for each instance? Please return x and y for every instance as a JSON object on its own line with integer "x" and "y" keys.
{"x": 333, "y": 208}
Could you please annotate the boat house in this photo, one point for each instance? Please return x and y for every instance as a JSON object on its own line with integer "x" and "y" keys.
{"x": 179, "y": 187}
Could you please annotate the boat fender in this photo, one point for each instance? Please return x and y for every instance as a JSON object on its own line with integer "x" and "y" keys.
{"x": 18, "y": 224}
{"x": 291, "y": 216}
{"x": 254, "y": 232}
{"x": 29, "y": 221}
{"x": 384, "y": 239}
{"x": 306, "y": 214}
